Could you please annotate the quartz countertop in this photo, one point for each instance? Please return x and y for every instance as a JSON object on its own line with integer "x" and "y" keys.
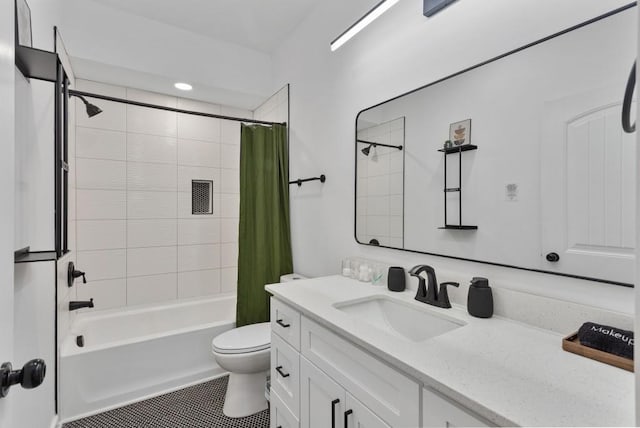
{"x": 506, "y": 372}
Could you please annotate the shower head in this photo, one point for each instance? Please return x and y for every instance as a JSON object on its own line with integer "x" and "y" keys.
{"x": 367, "y": 150}
{"x": 92, "y": 109}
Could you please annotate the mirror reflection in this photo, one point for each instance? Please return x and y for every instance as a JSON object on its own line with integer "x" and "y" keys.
{"x": 520, "y": 162}
{"x": 380, "y": 202}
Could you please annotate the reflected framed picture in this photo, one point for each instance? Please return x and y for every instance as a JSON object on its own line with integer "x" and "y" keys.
{"x": 23, "y": 24}
{"x": 460, "y": 133}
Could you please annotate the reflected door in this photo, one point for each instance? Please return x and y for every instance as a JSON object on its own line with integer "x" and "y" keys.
{"x": 588, "y": 187}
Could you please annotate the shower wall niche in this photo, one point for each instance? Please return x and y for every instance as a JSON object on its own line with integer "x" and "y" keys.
{"x": 138, "y": 237}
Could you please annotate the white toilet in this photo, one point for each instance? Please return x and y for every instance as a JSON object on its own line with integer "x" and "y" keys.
{"x": 245, "y": 352}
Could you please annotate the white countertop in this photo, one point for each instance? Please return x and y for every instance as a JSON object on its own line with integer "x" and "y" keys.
{"x": 507, "y": 372}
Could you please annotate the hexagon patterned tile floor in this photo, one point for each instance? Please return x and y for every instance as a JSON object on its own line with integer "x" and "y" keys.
{"x": 198, "y": 406}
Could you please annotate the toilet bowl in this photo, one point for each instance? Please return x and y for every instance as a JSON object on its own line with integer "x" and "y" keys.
{"x": 245, "y": 353}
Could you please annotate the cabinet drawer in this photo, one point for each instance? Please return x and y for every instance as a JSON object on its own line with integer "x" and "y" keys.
{"x": 392, "y": 395}
{"x": 285, "y": 373}
{"x": 281, "y": 416}
{"x": 285, "y": 321}
{"x": 439, "y": 411}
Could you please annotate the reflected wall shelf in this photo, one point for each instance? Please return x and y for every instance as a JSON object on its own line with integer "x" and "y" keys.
{"x": 453, "y": 150}
{"x": 450, "y": 151}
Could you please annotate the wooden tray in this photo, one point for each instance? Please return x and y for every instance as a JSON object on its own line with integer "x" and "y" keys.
{"x": 572, "y": 344}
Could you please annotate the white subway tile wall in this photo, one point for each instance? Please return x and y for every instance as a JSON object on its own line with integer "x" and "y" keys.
{"x": 137, "y": 238}
{"x": 380, "y": 186}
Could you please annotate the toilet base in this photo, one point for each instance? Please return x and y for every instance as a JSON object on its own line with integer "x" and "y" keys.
{"x": 245, "y": 394}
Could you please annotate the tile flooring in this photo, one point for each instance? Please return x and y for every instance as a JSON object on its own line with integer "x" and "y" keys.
{"x": 198, "y": 406}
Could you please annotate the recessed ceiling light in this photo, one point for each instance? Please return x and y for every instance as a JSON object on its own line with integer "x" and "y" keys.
{"x": 371, "y": 16}
{"x": 183, "y": 86}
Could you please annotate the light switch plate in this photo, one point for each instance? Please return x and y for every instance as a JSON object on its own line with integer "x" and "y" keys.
{"x": 431, "y": 7}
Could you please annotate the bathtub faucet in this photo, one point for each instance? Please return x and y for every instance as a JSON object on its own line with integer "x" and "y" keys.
{"x": 73, "y": 306}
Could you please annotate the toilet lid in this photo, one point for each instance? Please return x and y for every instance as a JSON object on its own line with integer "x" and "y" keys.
{"x": 250, "y": 338}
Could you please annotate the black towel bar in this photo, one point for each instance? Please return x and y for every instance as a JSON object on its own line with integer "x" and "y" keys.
{"x": 299, "y": 181}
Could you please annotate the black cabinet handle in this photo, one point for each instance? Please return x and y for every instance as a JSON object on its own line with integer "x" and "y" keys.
{"x": 281, "y": 373}
{"x": 333, "y": 412}
{"x": 553, "y": 257}
{"x": 628, "y": 100}
{"x": 282, "y": 324}
{"x": 346, "y": 418}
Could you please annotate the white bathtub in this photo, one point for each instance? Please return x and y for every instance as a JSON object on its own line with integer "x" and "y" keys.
{"x": 133, "y": 354}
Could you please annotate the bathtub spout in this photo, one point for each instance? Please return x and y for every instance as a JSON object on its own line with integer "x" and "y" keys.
{"x": 73, "y": 306}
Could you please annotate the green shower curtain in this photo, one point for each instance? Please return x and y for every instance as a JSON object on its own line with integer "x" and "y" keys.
{"x": 264, "y": 245}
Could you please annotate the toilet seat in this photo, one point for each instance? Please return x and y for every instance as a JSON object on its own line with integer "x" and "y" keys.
{"x": 242, "y": 340}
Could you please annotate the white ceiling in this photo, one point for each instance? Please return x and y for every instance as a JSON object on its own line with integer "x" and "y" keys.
{"x": 256, "y": 24}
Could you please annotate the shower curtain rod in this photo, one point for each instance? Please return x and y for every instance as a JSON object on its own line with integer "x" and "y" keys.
{"x": 176, "y": 110}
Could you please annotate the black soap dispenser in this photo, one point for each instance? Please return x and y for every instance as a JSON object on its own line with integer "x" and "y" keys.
{"x": 480, "y": 298}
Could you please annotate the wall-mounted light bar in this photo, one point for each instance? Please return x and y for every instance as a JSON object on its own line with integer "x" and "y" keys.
{"x": 367, "y": 19}
{"x": 431, "y": 7}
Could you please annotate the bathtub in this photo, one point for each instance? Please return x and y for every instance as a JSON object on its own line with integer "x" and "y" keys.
{"x": 133, "y": 354}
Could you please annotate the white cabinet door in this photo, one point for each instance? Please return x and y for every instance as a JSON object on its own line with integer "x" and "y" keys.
{"x": 393, "y": 396}
{"x": 285, "y": 322}
{"x": 322, "y": 401}
{"x": 588, "y": 176}
{"x": 285, "y": 373}
{"x": 359, "y": 416}
{"x": 439, "y": 411}
{"x": 281, "y": 416}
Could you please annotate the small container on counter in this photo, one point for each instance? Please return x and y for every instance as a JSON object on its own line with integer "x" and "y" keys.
{"x": 346, "y": 268}
{"x": 396, "y": 279}
{"x": 480, "y": 298}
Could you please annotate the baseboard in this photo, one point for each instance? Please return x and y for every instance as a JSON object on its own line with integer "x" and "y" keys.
{"x": 137, "y": 400}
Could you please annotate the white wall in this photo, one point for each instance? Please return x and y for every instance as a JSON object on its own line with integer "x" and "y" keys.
{"x": 138, "y": 241}
{"x": 115, "y": 47}
{"x": 7, "y": 193}
{"x": 637, "y": 291}
{"x": 34, "y": 308}
{"x": 402, "y": 50}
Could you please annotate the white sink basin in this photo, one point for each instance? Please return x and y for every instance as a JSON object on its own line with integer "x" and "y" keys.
{"x": 399, "y": 318}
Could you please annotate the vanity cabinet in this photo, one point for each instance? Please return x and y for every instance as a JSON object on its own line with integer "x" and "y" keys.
{"x": 285, "y": 376}
{"x": 328, "y": 381}
{"x": 324, "y": 403}
{"x": 439, "y": 411}
{"x": 281, "y": 416}
{"x": 285, "y": 322}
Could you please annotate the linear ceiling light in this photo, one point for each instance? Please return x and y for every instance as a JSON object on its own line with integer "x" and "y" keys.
{"x": 371, "y": 16}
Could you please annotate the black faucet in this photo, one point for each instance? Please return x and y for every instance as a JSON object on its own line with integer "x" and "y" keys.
{"x": 72, "y": 274}
{"x": 74, "y": 306}
{"x": 431, "y": 295}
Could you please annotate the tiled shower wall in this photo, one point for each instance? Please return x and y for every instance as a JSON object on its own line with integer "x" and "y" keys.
{"x": 136, "y": 236}
{"x": 380, "y": 203}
